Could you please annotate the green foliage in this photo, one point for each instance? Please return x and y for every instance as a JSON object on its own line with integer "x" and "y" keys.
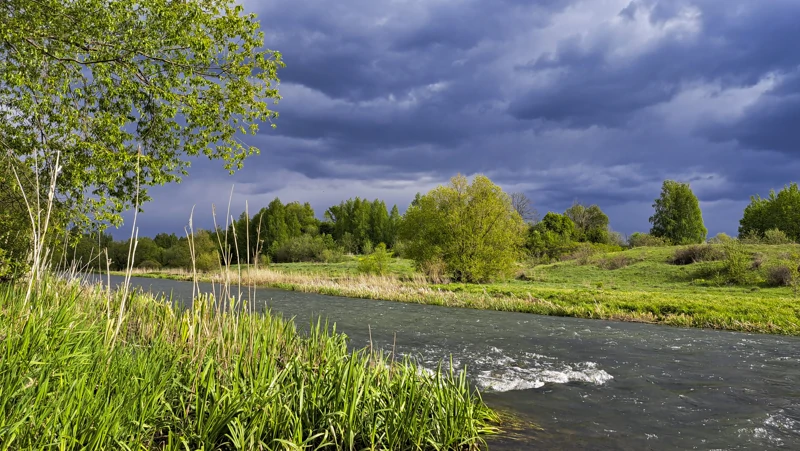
{"x": 736, "y": 263}
{"x": 10, "y": 267}
{"x": 306, "y": 248}
{"x": 165, "y": 241}
{"x": 778, "y": 211}
{"x": 103, "y": 87}
{"x": 591, "y": 224}
{"x": 357, "y": 222}
{"x": 776, "y": 237}
{"x": 201, "y": 378}
{"x": 638, "y": 239}
{"x": 473, "y": 228}
{"x": 720, "y": 238}
{"x": 551, "y": 237}
{"x": 149, "y": 264}
{"x": 269, "y": 230}
{"x": 377, "y": 262}
{"x": 677, "y": 217}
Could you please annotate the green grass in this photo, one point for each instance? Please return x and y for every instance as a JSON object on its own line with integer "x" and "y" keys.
{"x": 399, "y": 267}
{"x": 205, "y": 379}
{"x": 648, "y": 288}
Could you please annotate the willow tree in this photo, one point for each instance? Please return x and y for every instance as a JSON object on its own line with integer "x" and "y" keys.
{"x": 103, "y": 98}
{"x": 472, "y": 228}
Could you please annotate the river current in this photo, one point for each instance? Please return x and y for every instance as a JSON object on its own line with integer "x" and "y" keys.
{"x": 586, "y": 384}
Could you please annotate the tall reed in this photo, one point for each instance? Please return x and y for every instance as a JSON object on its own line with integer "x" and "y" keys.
{"x": 206, "y": 378}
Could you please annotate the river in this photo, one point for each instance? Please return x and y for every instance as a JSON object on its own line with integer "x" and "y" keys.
{"x": 588, "y": 384}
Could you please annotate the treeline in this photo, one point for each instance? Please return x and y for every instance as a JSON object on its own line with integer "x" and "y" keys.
{"x": 463, "y": 231}
{"x": 277, "y": 233}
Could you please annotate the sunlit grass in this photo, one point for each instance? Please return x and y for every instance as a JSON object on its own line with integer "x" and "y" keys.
{"x": 646, "y": 289}
{"x": 206, "y": 379}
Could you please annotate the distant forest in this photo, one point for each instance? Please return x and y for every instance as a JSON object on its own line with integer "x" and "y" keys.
{"x": 444, "y": 225}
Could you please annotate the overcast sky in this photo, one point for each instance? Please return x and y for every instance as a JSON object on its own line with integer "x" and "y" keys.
{"x": 597, "y": 101}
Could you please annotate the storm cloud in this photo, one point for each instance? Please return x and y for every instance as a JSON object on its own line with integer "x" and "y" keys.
{"x": 595, "y": 100}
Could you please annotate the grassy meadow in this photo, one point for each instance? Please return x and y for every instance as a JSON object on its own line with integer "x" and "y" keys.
{"x": 206, "y": 379}
{"x": 641, "y": 284}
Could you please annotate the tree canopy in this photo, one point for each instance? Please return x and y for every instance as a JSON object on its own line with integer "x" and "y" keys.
{"x": 777, "y": 211}
{"x": 107, "y": 92}
{"x": 677, "y": 217}
{"x": 551, "y": 237}
{"x": 591, "y": 224}
{"x": 473, "y": 228}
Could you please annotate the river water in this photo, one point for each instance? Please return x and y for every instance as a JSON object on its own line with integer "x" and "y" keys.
{"x": 587, "y": 384}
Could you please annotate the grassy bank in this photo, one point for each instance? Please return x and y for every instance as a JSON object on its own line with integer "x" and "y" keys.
{"x": 641, "y": 284}
{"x": 204, "y": 379}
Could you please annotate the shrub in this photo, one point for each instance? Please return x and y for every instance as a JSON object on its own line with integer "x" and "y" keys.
{"x": 697, "y": 253}
{"x": 758, "y": 261}
{"x": 751, "y": 237}
{"x": 638, "y": 239}
{"x": 581, "y": 254}
{"x": 776, "y": 237}
{"x": 207, "y": 261}
{"x": 780, "y": 275}
{"x": 737, "y": 263}
{"x": 377, "y": 262}
{"x": 303, "y": 248}
{"x": 335, "y": 255}
{"x": 367, "y": 247}
{"x": 150, "y": 264}
{"x": 399, "y": 249}
{"x": 617, "y": 261}
{"x": 10, "y": 268}
{"x": 616, "y": 239}
{"x": 720, "y": 238}
{"x": 435, "y": 270}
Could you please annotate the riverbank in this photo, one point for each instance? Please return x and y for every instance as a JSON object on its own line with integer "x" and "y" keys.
{"x": 636, "y": 285}
{"x": 202, "y": 378}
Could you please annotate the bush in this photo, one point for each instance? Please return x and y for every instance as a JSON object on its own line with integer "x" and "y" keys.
{"x": 697, "y": 253}
{"x": 758, "y": 261}
{"x": 335, "y": 255}
{"x": 399, "y": 249}
{"x": 10, "y": 268}
{"x": 207, "y": 261}
{"x": 150, "y": 264}
{"x": 638, "y": 239}
{"x": 776, "y": 237}
{"x": 303, "y": 248}
{"x": 377, "y": 262}
{"x": 617, "y": 261}
{"x": 751, "y": 237}
{"x": 720, "y": 238}
{"x": 780, "y": 275}
{"x": 581, "y": 254}
{"x": 737, "y": 263}
{"x": 435, "y": 270}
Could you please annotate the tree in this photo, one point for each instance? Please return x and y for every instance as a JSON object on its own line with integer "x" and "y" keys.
{"x": 394, "y": 226}
{"x": 677, "y": 217}
{"x": 591, "y": 224}
{"x": 551, "y": 237}
{"x": 524, "y": 207}
{"x": 472, "y": 228}
{"x": 166, "y": 241}
{"x": 778, "y": 211}
{"x": 109, "y": 95}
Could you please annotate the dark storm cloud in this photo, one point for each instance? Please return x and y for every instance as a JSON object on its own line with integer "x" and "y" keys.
{"x": 732, "y": 47}
{"x": 562, "y": 99}
{"x": 771, "y": 123}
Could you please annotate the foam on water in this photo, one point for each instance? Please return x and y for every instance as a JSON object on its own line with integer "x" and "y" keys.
{"x": 494, "y": 370}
